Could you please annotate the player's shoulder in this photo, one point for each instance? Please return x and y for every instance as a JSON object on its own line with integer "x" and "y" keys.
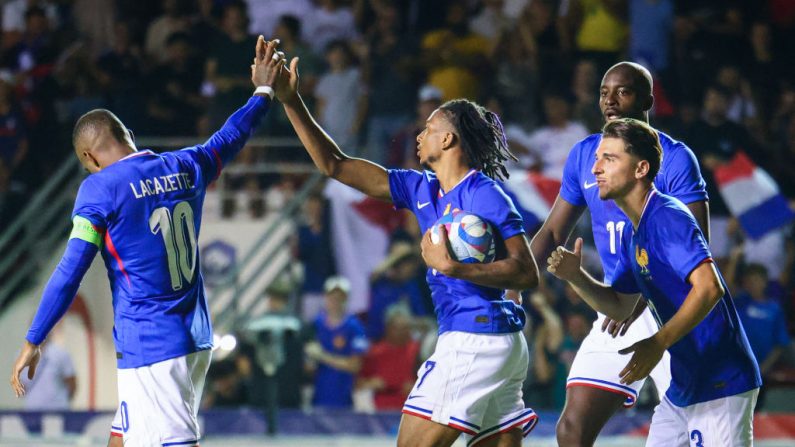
{"x": 587, "y": 144}
{"x": 667, "y": 209}
{"x": 671, "y": 147}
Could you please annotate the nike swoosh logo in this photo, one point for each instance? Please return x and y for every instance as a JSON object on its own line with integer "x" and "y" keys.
{"x": 413, "y": 397}
{"x": 587, "y": 185}
{"x": 422, "y": 205}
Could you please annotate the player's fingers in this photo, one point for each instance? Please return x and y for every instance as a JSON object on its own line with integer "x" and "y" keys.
{"x": 551, "y": 269}
{"x": 32, "y": 367}
{"x": 269, "y": 50}
{"x": 606, "y": 324}
{"x": 259, "y": 51}
{"x": 624, "y": 328}
{"x": 578, "y": 246}
{"x": 628, "y": 349}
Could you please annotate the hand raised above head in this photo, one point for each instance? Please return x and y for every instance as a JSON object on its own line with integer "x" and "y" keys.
{"x": 268, "y": 63}
{"x": 287, "y": 86}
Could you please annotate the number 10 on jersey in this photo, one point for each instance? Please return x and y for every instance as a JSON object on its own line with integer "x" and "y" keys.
{"x": 179, "y": 237}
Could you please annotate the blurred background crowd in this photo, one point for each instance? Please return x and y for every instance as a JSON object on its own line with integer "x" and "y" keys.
{"x": 372, "y": 71}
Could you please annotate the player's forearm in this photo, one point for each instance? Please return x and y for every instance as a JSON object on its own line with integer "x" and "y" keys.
{"x": 61, "y": 288}
{"x": 232, "y": 137}
{"x": 510, "y": 273}
{"x": 351, "y": 364}
{"x": 697, "y": 305}
{"x": 601, "y": 297}
{"x": 324, "y": 152}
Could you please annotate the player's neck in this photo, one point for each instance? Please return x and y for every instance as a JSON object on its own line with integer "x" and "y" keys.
{"x": 450, "y": 174}
{"x": 634, "y": 202}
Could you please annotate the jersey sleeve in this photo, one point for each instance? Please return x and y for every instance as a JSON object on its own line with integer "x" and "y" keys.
{"x": 403, "y": 185}
{"x": 623, "y": 280}
{"x": 682, "y": 176}
{"x": 570, "y": 189}
{"x": 680, "y": 240}
{"x": 492, "y": 204}
{"x": 228, "y": 141}
{"x": 93, "y": 205}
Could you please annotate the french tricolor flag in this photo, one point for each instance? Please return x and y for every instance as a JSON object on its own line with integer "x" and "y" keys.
{"x": 533, "y": 195}
{"x": 752, "y": 196}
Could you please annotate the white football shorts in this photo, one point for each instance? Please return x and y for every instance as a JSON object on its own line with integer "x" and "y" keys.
{"x": 473, "y": 383}
{"x": 598, "y": 362}
{"x": 159, "y": 403}
{"x": 724, "y": 422}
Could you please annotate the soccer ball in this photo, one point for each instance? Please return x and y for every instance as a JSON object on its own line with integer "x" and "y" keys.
{"x": 471, "y": 238}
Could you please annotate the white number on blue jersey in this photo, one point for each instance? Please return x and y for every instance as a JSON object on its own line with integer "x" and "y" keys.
{"x": 613, "y": 228}
{"x": 179, "y": 237}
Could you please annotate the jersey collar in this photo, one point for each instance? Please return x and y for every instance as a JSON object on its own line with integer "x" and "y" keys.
{"x": 138, "y": 154}
{"x": 469, "y": 174}
{"x": 649, "y": 196}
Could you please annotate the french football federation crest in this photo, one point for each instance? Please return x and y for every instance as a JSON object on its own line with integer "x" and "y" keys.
{"x": 642, "y": 258}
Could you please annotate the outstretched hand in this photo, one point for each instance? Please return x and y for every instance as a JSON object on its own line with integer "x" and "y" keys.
{"x": 268, "y": 63}
{"x": 566, "y": 264}
{"x": 28, "y": 358}
{"x": 287, "y": 86}
{"x": 646, "y": 355}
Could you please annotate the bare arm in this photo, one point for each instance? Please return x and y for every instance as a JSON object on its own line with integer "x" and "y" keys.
{"x": 567, "y": 266}
{"x": 357, "y": 173}
{"x": 700, "y": 210}
{"x": 518, "y": 270}
{"x": 556, "y": 228}
{"x": 705, "y": 293}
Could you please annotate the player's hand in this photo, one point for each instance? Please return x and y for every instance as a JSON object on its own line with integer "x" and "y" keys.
{"x": 28, "y": 358}
{"x": 287, "y": 85}
{"x": 566, "y": 264}
{"x": 616, "y": 328}
{"x": 646, "y": 355}
{"x": 268, "y": 63}
{"x": 437, "y": 255}
{"x": 313, "y": 350}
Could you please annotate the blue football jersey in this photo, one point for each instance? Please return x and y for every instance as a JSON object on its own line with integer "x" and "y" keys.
{"x": 714, "y": 359}
{"x": 461, "y": 305}
{"x": 334, "y": 387}
{"x": 148, "y": 206}
{"x": 679, "y": 177}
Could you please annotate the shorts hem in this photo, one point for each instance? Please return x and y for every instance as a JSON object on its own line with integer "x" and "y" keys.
{"x": 526, "y": 420}
{"x": 630, "y": 394}
{"x": 426, "y": 414}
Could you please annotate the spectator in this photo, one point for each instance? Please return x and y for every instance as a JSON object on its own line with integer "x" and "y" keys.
{"x": 265, "y": 14}
{"x": 763, "y": 320}
{"x": 174, "y": 90}
{"x": 226, "y": 81}
{"x": 14, "y": 18}
{"x": 336, "y": 351}
{"x": 55, "y": 383}
{"x": 547, "y": 368}
{"x": 226, "y": 389}
{"x": 315, "y": 253}
{"x": 741, "y": 102}
{"x": 600, "y": 29}
{"x": 515, "y": 79}
{"x": 395, "y": 282}
{"x": 328, "y": 22}
{"x": 173, "y": 20}
{"x": 551, "y": 143}
{"x": 340, "y": 97}
{"x": 390, "y": 368}
{"x": 13, "y": 132}
{"x": 585, "y": 86}
{"x": 491, "y": 21}
{"x": 454, "y": 56}
{"x": 403, "y": 145}
{"x": 119, "y": 73}
{"x": 389, "y": 70}
{"x": 650, "y": 24}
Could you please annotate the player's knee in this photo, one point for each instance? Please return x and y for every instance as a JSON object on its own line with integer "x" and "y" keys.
{"x": 570, "y": 432}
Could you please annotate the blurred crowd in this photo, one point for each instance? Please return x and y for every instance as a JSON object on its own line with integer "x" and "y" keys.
{"x": 372, "y": 71}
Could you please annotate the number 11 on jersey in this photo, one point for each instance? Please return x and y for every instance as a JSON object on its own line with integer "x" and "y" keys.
{"x": 613, "y": 228}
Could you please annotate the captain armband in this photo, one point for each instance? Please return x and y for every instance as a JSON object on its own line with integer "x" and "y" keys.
{"x": 83, "y": 229}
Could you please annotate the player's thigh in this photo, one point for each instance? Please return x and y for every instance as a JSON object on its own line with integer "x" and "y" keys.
{"x": 115, "y": 441}
{"x": 159, "y": 402}
{"x": 668, "y": 426}
{"x": 727, "y": 421}
{"x": 585, "y": 413}
{"x": 511, "y": 438}
{"x": 415, "y": 431}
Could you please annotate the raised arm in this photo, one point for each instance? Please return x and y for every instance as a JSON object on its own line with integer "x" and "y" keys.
{"x": 567, "y": 265}
{"x": 357, "y": 173}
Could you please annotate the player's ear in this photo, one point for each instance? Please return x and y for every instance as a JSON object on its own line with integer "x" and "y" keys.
{"x": 642, "y": 169}
{"x": 449, "y": 140}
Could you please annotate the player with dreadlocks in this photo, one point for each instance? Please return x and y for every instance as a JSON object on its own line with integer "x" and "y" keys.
{"x": 472, "y": 383}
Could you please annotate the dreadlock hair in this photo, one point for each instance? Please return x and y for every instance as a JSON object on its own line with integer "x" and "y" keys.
{"x": 482, "y": 137}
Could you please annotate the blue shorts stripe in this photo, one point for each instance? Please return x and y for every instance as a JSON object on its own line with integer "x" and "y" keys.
{"x": 476, "y": 427}
{"x": 417, "y": 409}
{"x": 191, "y": 442}
{"x": 113, "y": 427}
{"x": 604, "y": 382}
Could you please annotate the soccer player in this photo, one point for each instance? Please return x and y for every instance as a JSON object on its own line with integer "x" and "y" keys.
{"x": 143, "y": 212}
{"x": 472, "y": 382}
{"x": 594, "y": 391}
{"x": 664, "y": 258}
